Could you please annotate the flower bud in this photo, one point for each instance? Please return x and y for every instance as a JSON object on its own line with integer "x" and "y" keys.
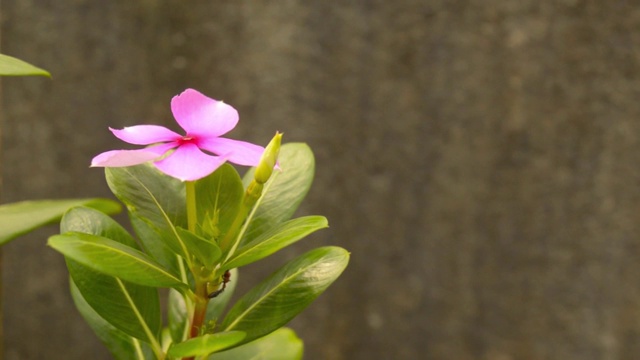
{"x": 269, "y": 160}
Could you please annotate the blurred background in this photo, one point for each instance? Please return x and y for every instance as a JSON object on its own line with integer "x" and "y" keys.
{"x": 479, "y": 158}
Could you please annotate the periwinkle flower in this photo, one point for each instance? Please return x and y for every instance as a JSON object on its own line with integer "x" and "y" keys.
{"x": 186, "y": 157}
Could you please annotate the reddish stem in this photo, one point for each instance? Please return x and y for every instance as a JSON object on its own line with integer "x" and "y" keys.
{"x": 199, "y": 312}
{"x": 198, "y": 318}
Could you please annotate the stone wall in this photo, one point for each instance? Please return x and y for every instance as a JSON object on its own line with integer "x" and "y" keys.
{"x": 478, "y": 158}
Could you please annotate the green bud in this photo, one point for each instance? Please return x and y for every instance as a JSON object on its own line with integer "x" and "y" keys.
{"x": 269, "y": 160}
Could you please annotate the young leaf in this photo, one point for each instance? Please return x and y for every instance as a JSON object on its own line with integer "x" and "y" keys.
{"x": 275, "y": 239}
{"x": 131, "y": 308}
{"x": 19, "y": 218}
{"x": 218, "y": 198}
{"x": 285, "y": 190}
{"x": 113, "y": 258}
{"x": 206, "y": 344}
{"x": 282, "y": 344}
{"x": 206, "y": 251}
{"x": 10, "y": 66}
{"x": 120, "y": 345}
{"x": 283, "y": 295}
{"x": 156, "y": 203}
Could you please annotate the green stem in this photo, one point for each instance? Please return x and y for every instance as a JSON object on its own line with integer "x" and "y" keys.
{"x": 200, "y": 300}
{"x": 192, "y": 216}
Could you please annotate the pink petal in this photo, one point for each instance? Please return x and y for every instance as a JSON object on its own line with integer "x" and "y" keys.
{"x": 236, "y": 151}
{"x": 120, "y": 158}
{"x": 203, "y": 116}
{"x": 188, "y": 163}
{"x": 145, "y": 134}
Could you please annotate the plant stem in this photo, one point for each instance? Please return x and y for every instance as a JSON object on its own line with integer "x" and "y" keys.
{"x": 200, "y": 310}
{"x": 201, "y": 300}
{"x": 192, "y": 216}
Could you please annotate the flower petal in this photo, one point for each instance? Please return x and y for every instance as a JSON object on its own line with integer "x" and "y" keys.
{"x": 145, "y": 134}
{"x": 236, "y": 151}
{"x": 188, "y": 163}
{"x": 120, "y": 158}
{"x": 203, "y": 116}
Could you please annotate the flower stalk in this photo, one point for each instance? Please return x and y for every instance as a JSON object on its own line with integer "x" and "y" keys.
{"x": 192, "y": 215}
{"x": 200, "y": 300}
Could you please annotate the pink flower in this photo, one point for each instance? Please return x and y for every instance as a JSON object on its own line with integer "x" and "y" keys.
{"x": 192, "y": 156}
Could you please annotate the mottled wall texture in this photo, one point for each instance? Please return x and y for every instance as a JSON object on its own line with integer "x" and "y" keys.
{"x": 479, "y": 158}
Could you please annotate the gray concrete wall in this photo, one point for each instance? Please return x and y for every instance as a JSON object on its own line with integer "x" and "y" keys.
{"x": 480, "y": 159}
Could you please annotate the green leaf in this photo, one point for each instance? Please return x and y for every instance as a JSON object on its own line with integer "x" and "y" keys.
{"x": 131, "y": 308}
{"x": 282, "y": 344}
{"x": 113, "y": 258}
{"x": 284, "y": 192}
{"x": 275, "y": 239}
{"x": 283, "y": 295}
{"x": 159, "y": 250}
{"x": 90, "y": 221}
{"x": 206, "y": 344}
{"x": 120, "y": 345}
{"x": 218, "y": 199}
{"x": 156, "y": 204}
{"x": 22, "y": 217}
{"x": 206, "y": 251}
{"x": 10, "y": 66}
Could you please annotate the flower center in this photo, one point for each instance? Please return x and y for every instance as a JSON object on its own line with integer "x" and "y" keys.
{"x": 187, "y": 140}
